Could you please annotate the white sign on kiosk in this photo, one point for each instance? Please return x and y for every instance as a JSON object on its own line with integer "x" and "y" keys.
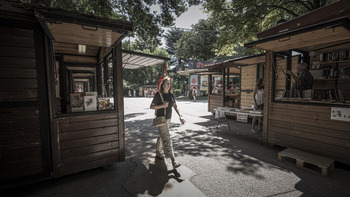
{"x": 242, "y": 117}
{"x": 342, "y": 114}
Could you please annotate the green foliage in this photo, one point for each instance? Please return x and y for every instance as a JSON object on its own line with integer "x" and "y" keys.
{"x": 198, "y": 42}
{"x": 171, "y": 37}
{"x": 241, "y": 20}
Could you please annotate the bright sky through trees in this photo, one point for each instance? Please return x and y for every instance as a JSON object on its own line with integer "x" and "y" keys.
{"x": 190, "y": 17}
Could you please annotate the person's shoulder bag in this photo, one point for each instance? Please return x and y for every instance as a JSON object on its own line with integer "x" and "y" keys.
{"x": 161, "y": 120}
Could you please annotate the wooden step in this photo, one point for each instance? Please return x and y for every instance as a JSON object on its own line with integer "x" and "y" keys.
{"x": 306, "y": 161}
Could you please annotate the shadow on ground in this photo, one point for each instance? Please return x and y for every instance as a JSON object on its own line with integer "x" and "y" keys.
{"x": 152, "y": 180}
{"x": 91, "y": 183}
{"x": 242, "y": 151}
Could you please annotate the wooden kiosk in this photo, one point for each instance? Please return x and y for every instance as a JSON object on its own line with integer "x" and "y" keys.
{"x": 61, "y": 101}
{"x": 318, "y": 119}
{"x": 219, "y": 94}
{"x": 252, "y": 69}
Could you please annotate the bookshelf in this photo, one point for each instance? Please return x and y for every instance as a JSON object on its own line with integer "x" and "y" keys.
{"x": 331, "y": 71}
{"x": 334, "y": 62}
{"x": 330, "y": 68}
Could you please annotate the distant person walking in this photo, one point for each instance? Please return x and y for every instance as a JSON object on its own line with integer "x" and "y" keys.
{"x": 159, "y": 105}
{"x": 194, "y": 93}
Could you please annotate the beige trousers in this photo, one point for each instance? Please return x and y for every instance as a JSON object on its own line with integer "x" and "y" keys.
{"x": 164, "y": 140}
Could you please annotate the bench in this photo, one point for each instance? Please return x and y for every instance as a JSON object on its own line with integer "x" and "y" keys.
{"x": 306, "y": 161}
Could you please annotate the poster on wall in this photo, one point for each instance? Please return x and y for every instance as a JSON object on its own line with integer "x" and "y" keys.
{"x": 204, "y": 83}
{"x": 194, "y": 80}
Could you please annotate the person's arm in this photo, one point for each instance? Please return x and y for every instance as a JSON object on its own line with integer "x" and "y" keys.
{"x": 154, "y": 106}
{"x": 156, "y": 100}
{"x": 182, "y": 120}
{"x": 294, "y": 77}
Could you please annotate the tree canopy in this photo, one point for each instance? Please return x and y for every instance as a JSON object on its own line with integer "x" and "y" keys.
{"x": 241, "y": 20}
{"x": 198, "y": 42}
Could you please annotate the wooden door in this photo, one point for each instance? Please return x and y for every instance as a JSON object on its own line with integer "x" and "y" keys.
{"x": 24, "y": 118}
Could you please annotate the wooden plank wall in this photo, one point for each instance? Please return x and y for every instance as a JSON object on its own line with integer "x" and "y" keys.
{"x": 86, "y": 142}
{"x": 215, "y": 101}
{"x": 248, "y": 82}
{"x": 309, "y": 128}
{"x": 20, "y": 141}
{"x": 261, "y": 71}
{"x": 304, "y": 127}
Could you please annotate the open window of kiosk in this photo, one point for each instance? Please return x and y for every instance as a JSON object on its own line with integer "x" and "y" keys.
{"x": 84, "y": 87}
{"x": 330, "y": 71}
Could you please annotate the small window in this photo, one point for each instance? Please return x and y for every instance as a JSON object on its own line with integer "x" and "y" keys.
{"x": 84, "y": 87}
{"x": 217, "y": 85}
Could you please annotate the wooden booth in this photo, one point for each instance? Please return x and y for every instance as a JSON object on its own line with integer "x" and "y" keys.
{"x": 252, "y": 69}
{"x": 61, "y": 101}
{"x": 223, "y": 88}
{"x": 315, "y": 120}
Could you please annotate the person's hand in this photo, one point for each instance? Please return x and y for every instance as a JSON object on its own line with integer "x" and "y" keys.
{"x": 165, "y": 105}
{"x": 182, "y": 120}
{"x": 289, "y": 72}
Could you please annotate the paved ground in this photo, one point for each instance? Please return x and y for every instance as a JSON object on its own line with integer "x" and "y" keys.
{"x": 224, "y": 163}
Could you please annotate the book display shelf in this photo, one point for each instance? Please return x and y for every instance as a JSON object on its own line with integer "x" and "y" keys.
{"x": 330, "y": 68}
{"x": 331, "y": 71}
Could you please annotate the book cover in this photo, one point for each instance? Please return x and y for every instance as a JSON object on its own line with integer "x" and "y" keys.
{"x": 90, "y": 103}
{"x": 76, "y": 100}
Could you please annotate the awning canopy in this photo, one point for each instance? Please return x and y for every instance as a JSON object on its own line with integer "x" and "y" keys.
{"x": 233, "y": 64}
{"x": 220, "y": 65}
{"x": 249, "y": 60}
{"x": 201, "y": 71}
{"x": 135, "y": 60}
{"x": 306, "y": 39}
{"x": 69, "y": 30}
{"x": 74, "y": 28}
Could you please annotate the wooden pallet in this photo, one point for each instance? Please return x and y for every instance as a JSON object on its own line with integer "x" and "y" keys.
{"x": 306, "y": 161}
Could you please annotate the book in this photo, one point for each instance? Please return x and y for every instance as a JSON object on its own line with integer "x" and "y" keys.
{"x": 90, "y": 103}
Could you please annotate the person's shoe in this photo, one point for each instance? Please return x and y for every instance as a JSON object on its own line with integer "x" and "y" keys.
{"x": 253, "y": 131}
{"x": 176, "y": 164}
{"x": 159, "y": 156}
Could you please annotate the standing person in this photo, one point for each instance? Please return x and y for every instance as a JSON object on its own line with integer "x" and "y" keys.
{"x": 129, "y": 93}
{"x": 304, "y": 80}
{"x": 194, "y": 93}
{"x": 259, "y": 94}
{"x": 164, "y": 135}
{"x": 134, "y": 93}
